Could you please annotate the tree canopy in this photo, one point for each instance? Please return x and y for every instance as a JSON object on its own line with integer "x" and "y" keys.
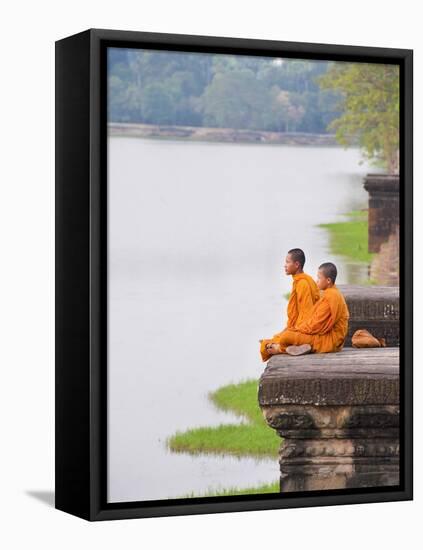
{"x": 370, "y": 109}
{"x": 216, "y": 90}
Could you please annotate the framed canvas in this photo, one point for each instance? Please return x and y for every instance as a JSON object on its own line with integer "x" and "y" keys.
{"x": 233, "y": 274}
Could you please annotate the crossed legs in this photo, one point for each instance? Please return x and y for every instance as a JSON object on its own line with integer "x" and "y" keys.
{"x": 282, "y": 340}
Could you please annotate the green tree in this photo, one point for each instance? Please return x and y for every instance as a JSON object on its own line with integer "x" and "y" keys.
{"x": 287, "y": 114}
{"x": 369, "y": 107}
{"x": 156, "y": 104}
{"x": 235, "y": 99}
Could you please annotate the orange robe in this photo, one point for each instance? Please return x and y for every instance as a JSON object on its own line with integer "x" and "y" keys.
{"x": 304, "y": 295}
{"x": 325, "y": 328}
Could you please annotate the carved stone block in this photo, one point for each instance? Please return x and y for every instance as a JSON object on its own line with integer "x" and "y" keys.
{"x": 338, "y": 415}
{"x": 374, "y": 308}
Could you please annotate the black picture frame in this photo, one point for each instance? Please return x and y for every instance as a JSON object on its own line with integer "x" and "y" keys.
{"x": 81, "y": 273}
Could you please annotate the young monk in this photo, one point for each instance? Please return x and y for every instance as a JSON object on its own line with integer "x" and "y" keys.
{"x": 325, "y": 328}
{"x": 304, "y": 294}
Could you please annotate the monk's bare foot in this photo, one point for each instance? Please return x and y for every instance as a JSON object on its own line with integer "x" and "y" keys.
{"x": 298, "y": 350}
{"x": 274, "y": 348}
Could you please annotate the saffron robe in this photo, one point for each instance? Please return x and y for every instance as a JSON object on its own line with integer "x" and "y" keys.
{"x": 304, "y": 294}
{"x": 325, "y": 328}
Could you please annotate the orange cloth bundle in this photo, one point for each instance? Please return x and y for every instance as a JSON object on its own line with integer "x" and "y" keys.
{"x": 363, "y": 339}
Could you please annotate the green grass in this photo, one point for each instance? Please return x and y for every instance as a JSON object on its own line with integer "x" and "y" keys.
{"x": 253, "y": 437}
{"x": 370, "y": 282}
{"x": 260, "y": 489}
{"x": 350, "y": 238}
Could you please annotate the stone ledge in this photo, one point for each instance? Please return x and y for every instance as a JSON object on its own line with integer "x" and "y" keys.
{"x": 349, "y": 377}
{"x": 382, "y": 183}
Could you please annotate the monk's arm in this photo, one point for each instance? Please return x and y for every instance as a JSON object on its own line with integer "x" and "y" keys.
{"x": 304, "y": 297}
{"x": 320, "y": 322}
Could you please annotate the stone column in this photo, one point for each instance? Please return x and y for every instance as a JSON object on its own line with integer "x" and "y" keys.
{"x": 385, "y": 266}
{"x": 383, "y": 192}
{"x": 339, "y": 416}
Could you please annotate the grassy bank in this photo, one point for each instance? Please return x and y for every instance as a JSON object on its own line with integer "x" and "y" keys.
{"x": 252, "y": 437}
{"x": 350, "y": 238}
{"x": 230, "y": 491}
{"x": 224, "y": 135}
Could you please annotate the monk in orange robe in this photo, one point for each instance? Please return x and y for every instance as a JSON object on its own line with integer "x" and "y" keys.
{"x": 304, "y": 295}
{"x": 325, "y": 328}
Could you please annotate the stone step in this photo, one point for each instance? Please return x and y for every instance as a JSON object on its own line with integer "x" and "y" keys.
{"x": 374, "y": 308}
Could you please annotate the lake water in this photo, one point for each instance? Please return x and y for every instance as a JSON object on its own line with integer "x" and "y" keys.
{"x": 198, "y": 234}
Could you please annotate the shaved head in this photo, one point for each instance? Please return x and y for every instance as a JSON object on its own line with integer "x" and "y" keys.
{"x": 297, "y": 255}
{"x": 329, "y": 271}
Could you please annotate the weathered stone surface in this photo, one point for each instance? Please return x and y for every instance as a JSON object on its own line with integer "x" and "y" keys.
{"x": 339, "y": 416}
{"x": 309, "y": 421}
{"x": 350, "y": 377}
{"x": 385, "y": 265}
{"x": 383, "y": 192}
{"x": 374, "y": 308}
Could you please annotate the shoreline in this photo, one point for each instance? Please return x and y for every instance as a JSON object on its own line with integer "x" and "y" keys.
{"x": 225, "y": 135}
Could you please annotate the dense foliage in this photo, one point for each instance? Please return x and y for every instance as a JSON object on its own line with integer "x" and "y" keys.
{"x": 215, "y": 90}
{"x": 370, "y": 109}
